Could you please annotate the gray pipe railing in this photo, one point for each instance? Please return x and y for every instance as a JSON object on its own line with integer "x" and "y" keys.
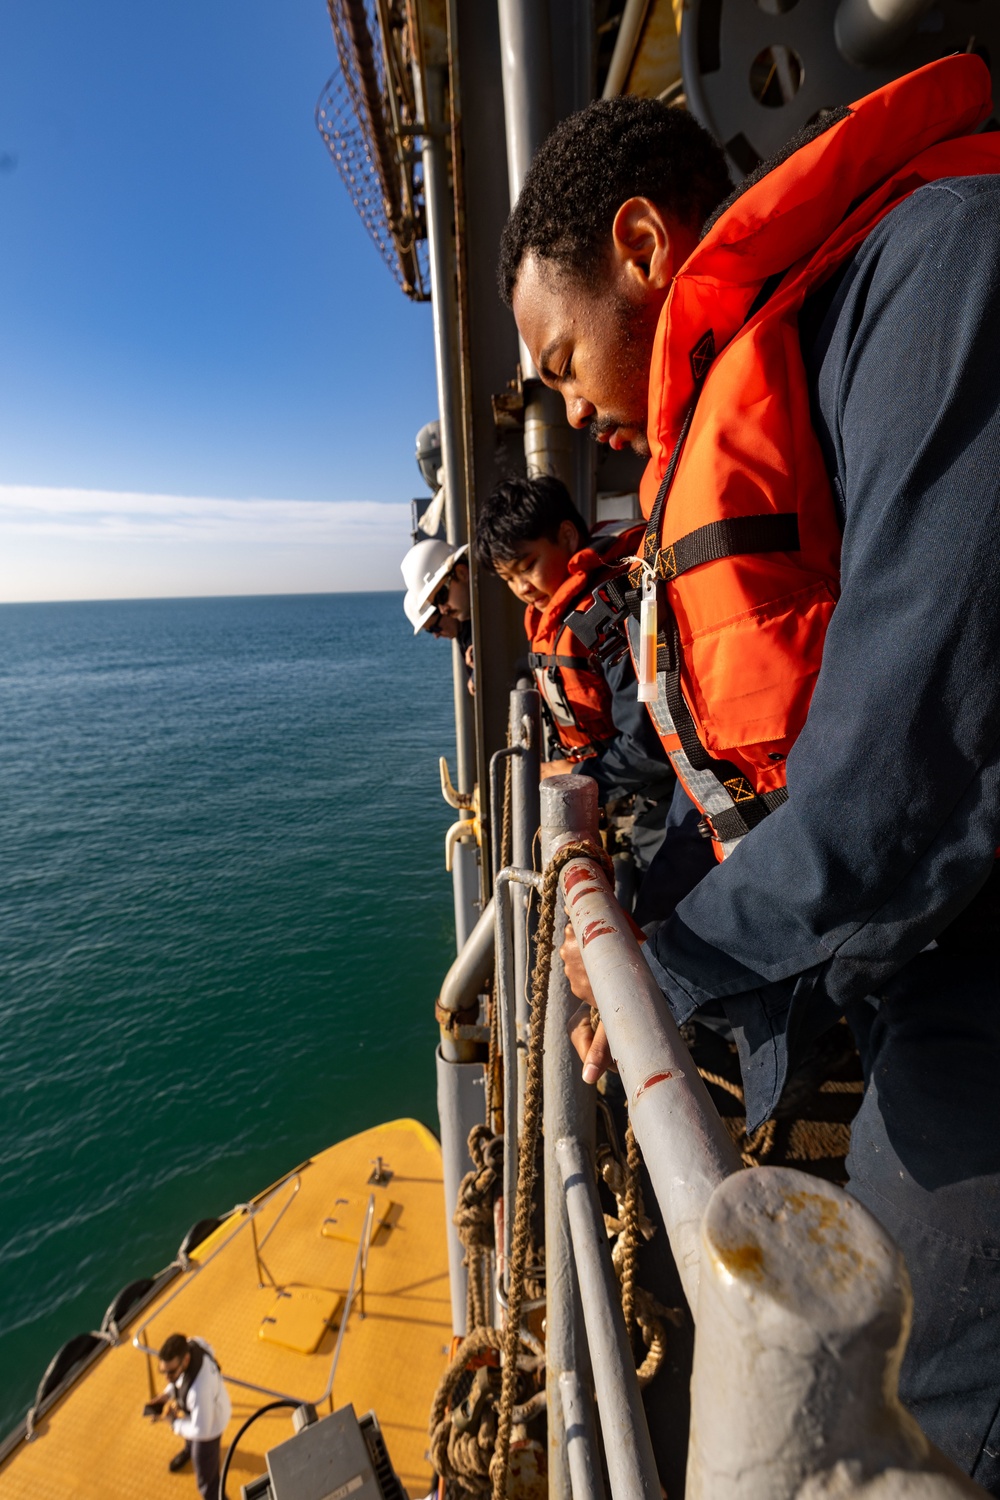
{"x": 468, "y": 975}
{"x": 804, "y": 1301}
{"x": 587, "y": 1344}
{"x": 686, "y": 1147}
{"x": 793, "y": 1285}
{"x": 574, "y": 1472}
{"x": 628, "y": 1451}
{"x": 525, "y": 734}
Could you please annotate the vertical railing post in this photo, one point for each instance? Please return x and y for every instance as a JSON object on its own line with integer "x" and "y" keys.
{"x": 256, "y": 1247}
{"x": 461, "y": 1102}
{"x": 433, "y": 107}
{"x": 803, "y": 1310}
{"x": 628, "y": 1451}
{"x": 568, "y": 812}
{"x": 525, "y": 736}
{"x": 149, "y": 1369}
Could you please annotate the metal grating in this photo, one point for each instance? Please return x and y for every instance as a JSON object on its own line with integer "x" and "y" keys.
{"x": 362, "y": 115}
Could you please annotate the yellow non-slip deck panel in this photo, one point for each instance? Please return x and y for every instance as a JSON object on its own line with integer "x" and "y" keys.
{"x": 95, "y": 1444}
{"x": 300, "y": 1317}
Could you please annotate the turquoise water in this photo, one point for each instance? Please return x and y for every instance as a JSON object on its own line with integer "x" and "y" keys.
{"x": 223, "y": 919}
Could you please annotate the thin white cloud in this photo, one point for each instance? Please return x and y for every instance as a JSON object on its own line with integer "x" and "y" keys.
{"x": 103, "y": 544}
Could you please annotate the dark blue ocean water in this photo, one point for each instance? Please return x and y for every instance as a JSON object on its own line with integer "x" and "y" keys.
{"x": 223, "y": 919}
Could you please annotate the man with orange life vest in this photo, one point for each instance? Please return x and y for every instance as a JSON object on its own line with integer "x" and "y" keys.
{"x": 532, "y": 536}
{"x": 814, "y": 377}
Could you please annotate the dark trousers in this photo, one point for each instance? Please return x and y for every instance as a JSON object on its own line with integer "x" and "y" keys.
{"x": 205, "y": 1458}
{"x": 925, "y": 1160}
{"x": 677, "y": 863}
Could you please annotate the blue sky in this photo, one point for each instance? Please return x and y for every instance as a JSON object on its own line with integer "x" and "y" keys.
{"x": 189, "y": 307}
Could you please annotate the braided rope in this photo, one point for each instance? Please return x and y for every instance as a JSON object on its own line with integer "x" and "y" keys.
{"x": 473, "y": 1219}
{"x": 630, "y": 1223}
{"x": 507, "y": 825}
{"x": 462, "y": 1457}
{"x": 647, "y": 1313}
{"x": 725, "y": 1084}
{"x": 527, "y": 1146}
{"x": 754, "y": 1150}
{"x": 494, "y": 1088}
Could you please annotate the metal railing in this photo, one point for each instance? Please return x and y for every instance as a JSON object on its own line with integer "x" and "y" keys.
{"x": 792, "y": 1284}
{"x": 687, "y": 1149}
{"x": 252, "y": 1210}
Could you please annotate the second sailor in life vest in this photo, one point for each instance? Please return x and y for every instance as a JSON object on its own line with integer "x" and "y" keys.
{"x": 568, "y": 676}
{"x": 530, "y": 533}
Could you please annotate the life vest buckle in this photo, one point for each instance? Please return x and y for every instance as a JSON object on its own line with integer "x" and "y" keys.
{"x": 600, "y": 627}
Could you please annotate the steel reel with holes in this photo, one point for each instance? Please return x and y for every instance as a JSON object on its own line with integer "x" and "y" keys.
{"x": 757, "y": 71}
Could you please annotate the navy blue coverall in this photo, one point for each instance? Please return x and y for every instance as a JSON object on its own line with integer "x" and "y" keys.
{"x": 633, "y": 762}
{"x": 844, "y": 900}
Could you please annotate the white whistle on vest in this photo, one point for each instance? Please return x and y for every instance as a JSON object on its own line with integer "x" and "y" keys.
{"x": 647, "y": 640}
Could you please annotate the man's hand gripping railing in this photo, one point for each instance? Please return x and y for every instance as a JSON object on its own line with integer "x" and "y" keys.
{"x": 683, "y": 1141}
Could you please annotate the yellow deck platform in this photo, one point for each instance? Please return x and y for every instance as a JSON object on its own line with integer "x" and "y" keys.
{"x": 95, "y": 1444}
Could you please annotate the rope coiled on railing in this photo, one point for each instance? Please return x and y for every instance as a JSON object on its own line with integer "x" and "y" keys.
{"x": 474, "y": 1218}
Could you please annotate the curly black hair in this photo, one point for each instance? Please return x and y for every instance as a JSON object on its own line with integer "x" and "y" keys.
{"x": 591, "y": 164}
{"x": 522, "y": 510}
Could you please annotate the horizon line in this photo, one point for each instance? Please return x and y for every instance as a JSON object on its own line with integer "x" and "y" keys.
{"x": 203, "y": 598}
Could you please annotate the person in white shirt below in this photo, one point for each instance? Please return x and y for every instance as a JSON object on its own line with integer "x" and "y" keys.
{"x": 197, "y": 1403}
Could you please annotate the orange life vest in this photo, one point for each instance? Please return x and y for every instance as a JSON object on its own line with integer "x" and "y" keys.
{"x": 571, "y": 683}
{"x": 743, "y": 535}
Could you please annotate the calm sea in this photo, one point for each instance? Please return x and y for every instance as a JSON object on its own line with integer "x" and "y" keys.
{"x": 223, "y": 919}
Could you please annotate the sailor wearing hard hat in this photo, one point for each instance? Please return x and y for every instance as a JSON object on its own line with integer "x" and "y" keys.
{"x": 437, "y": 597}
{"x": 437, "y": 583}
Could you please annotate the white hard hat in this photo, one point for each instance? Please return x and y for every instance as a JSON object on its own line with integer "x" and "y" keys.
{"x": 425, "y": 568}
{"x": 417, "y": 617}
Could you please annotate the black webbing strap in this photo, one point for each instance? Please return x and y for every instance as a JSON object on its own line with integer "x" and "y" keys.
{"x": 652, "y": 537}
{"x": 750, "y": 807}
{"x": 538, "y": 659}
{"x": 700, "y": 359}
{"x": 736, "y": 536}
{"x": 732, "y": 825}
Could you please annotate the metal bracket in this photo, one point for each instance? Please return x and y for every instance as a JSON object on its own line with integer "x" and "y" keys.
{"x": 467, "y": 802}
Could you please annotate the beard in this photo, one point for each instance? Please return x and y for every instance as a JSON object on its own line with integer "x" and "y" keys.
{"x": 634, "y": 330}
{"x": 639, "y": 444}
